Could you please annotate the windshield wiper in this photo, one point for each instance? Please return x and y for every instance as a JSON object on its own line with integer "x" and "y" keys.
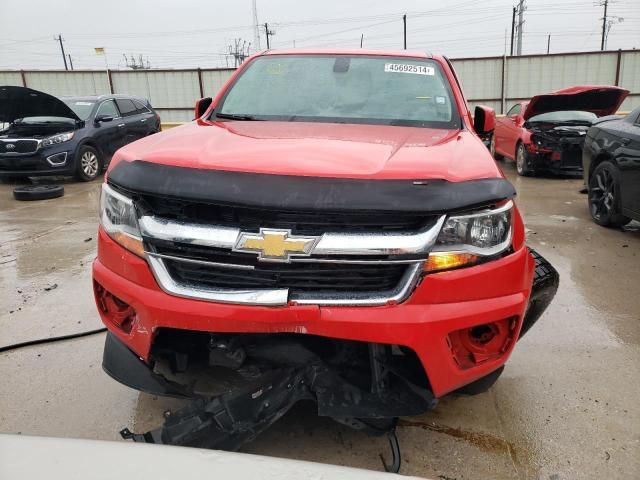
{"x": 233, "y": 116}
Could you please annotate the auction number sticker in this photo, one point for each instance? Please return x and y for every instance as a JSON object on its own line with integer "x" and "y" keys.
{"x": 406, "y": 68}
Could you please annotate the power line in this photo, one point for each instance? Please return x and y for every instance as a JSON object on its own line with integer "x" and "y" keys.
{"x": 353, "y": 29}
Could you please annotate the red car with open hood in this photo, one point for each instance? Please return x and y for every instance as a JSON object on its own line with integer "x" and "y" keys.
{"x": 329, "y": 228}
{"x": 547, "y": 132}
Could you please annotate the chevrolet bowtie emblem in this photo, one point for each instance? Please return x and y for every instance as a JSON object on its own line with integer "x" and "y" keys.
{"x": 275, "y": 245}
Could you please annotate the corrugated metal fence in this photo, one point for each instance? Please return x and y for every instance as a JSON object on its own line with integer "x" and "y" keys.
{"x": 500, "y": 81}
{"x": 494, "y": 81}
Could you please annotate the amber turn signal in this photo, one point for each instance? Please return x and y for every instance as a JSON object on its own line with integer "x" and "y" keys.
{"x": 439, "y": 261}
{"x": 132, "y": 244}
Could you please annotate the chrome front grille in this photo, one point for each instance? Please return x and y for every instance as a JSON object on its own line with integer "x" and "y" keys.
{"x": 204, "y": 261}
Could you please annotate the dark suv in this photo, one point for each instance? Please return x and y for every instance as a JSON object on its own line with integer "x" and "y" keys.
{"x": 44, "y": 135}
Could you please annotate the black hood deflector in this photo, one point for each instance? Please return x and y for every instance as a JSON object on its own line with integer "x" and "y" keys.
{"x": 306, "y": 193}
{"x": 21, "y": 102}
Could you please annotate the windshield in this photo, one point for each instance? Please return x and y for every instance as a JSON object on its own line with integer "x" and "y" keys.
{"x": 565, "y": 116}
{"x": 82, "y": 108}
{"x": 343, "y": 89}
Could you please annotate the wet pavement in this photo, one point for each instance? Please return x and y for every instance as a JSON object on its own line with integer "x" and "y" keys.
{"x": 566, "y": 406}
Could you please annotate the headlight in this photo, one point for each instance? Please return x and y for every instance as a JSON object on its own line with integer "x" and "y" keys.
{"x": 466, "y": 239}
{"x": 54, "y": 140}
{"x": 118, "y": 218}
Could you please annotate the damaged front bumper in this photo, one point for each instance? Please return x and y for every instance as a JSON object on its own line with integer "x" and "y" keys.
{"x": 556, "y": 163}
{"x": 363, "y": 385}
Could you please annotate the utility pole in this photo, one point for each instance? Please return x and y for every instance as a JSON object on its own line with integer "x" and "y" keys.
{"x": 256, "y": 27}
{"x": 604, "y": 24}
{"x": 70, "y": 61}
{"x": 521, "y": 8}
{"x": 361, "y": 39}
{"x": 513, "y": 28}
{"x": 268, "y": 33}
{"x": 64, "y": 57}
{"x": 548, "y": 43}
{"x": 404, "y": 21}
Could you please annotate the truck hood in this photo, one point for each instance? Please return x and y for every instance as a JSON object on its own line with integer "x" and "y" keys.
{"x": 319, "y": 150}
{"x": 599, "y": 99}
{"x": 21, "y": 102}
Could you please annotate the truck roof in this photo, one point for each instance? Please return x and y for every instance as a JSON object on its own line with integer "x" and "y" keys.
{"x": 348, "y": 51}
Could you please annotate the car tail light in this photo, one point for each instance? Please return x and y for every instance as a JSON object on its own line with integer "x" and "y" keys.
{"x": 118, "y": 312}
{"x": 480, "y": 343}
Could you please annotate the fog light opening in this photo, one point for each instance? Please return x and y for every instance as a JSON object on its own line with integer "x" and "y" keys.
{"x": 475, "y": 345}
{"x": 483, "y": 334}
{"x": 118, "y": 312}
{"x": 57, "y": 160}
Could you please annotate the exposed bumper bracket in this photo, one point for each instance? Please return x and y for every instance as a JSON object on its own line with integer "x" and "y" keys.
{"x": 229, "y": 420}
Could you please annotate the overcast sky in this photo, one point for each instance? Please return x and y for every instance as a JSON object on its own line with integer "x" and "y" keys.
{"x": 190, "y": 33}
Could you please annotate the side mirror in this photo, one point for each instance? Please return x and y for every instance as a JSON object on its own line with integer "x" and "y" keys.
{"x": 104, "y": 118}
{"x": 484, "y": 120}
{"x": 202, "y": 105}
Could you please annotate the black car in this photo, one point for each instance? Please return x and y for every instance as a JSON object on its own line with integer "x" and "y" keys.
{"x": 44, "y": 135}
{"x": 611, "y": 161}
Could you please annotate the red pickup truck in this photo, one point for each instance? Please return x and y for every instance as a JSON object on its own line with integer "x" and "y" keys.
{"x": 330, "y": 227}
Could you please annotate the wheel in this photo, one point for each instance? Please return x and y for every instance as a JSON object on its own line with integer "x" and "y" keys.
{"x": 38, "y": 192}
{"x": 604, "y": 196}
{"x": 492, "y": 148}
{"x": 89, "y": 165}
{"x": 521, "y": 161}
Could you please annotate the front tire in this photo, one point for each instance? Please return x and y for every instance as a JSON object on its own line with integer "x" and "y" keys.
{"x": 604, "y": 196}
{"x": 89, "y": 164}
{"x": 522, "y": 167}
